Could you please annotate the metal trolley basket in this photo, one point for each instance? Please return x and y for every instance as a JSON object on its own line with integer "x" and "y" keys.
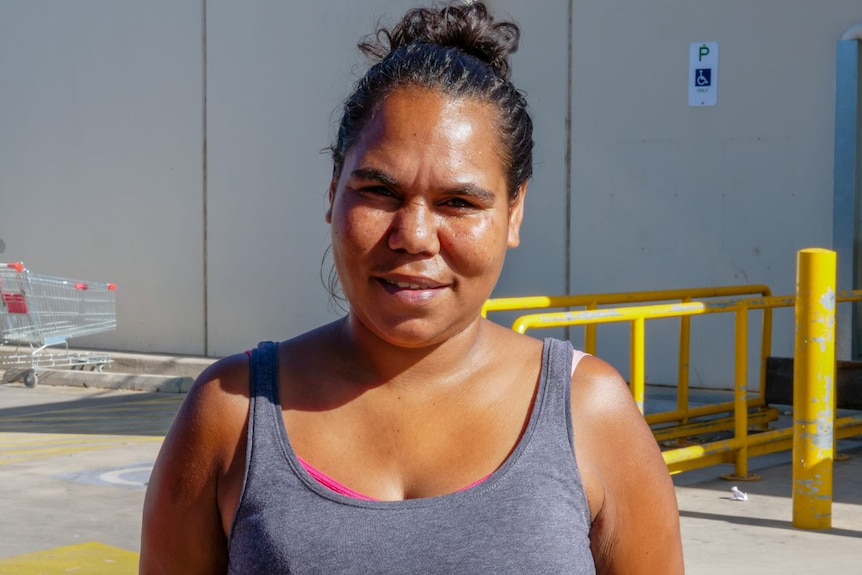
{"x": 43, "y": 311}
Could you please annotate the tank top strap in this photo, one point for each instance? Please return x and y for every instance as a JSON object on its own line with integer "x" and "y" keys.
{"x": 264, "y": 371}
{"x": 556, "y": 395}
{"x": 558, "y": 366}
{"x": 265, "y": 427}
{"x": 262, "y": 436}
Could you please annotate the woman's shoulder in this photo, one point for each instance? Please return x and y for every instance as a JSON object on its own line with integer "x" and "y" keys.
{"x": 225, "y": 378}
{"x": 214, "y": 411}
{"x": 619, "y": 461}
{"x": 598, "y": 389}
{"x": 199, "y": 460}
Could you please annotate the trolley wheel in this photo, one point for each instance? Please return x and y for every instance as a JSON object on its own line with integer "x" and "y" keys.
{"x": 31, "y": 379}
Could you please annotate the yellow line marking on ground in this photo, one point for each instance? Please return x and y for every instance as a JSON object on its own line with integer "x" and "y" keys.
{"x": 90, "y": 409}
{"x": 10, "y": 440}
{"x": 18, "y": 438}
{"x": 86, "y": 558}
{"x": 25, "y": 448}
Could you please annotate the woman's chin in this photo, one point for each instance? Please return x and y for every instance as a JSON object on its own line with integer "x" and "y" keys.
{"x": 413, "y": 333}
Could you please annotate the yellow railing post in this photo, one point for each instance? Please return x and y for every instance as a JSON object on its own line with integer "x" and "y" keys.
{"x": 740, "y": 411}
{"x": 814, "y": 389}
{"x": 591, "y": 336}
{"x": 638, "y": 352}
{"x": 740, "y": 407}
{"x": 684, "y": 366}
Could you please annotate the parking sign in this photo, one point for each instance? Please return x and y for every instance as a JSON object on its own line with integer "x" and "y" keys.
{"x": 703, "y": 74}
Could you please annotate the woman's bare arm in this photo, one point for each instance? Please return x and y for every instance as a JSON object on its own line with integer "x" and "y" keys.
{"x": 183, "y": 525}
{"x": 635, "y": 515}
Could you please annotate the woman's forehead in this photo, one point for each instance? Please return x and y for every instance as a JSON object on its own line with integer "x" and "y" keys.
{"x": 422, "y": 118}
{"x": 417, "y": 131}
{"x": 414, "y": 108}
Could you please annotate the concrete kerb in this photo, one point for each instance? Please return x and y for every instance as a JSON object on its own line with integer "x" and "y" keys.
{"x": 138, "y": 372}
{"x": 128, "y": 381}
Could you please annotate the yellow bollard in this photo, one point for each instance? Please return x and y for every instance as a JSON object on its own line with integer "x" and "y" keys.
{"x": 814, "y": 389}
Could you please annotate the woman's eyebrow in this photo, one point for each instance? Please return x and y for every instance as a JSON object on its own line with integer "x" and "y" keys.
{"x": 469, "y": 190}
{"x": 476, "y": 192}
{"x": 373, "y": 175}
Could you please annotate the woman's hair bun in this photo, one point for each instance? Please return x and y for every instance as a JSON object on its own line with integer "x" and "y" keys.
{"x": 465, "y": 25}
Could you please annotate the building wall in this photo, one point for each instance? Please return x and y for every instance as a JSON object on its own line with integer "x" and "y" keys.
{"x": 277, "y": 73}
{"x": 106, "y": 110}
{"x": 101, "y": 157}
{"x": 669, "y": 196}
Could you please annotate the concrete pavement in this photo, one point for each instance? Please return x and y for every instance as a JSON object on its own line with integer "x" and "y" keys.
{"x": 73, "y": 469}
{"x": 757, "y": 536}
{"x": 74, "y": 462}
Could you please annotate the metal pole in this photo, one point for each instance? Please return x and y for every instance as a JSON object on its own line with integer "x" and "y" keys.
{"x": 639, "y": 362}
{"x": 814, "y": 389}
{"x": 740, "y": 401}
{"x": 847, "y": 182}
{"x": 684, "y": 377}
{"x": 740, "y": 411}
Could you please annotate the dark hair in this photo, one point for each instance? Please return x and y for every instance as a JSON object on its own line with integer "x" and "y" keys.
{"x": 458, "y": 49}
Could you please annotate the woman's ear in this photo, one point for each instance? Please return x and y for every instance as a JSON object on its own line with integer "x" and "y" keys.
{"x": 332, "y": 186}
{"x": 516, "y": 216}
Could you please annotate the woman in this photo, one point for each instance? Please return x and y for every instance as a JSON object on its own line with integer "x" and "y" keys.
{"x": 412, "y": 435}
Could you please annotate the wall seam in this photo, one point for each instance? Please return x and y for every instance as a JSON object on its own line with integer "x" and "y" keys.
{"x": 204, "y": 170}
{"x": 568, "y": 155}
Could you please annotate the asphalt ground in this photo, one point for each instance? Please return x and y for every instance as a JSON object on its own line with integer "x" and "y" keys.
{"x": 74, "y": 463}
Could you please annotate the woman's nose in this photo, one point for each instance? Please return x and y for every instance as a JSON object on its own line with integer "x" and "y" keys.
{"x": 414, "y": 230}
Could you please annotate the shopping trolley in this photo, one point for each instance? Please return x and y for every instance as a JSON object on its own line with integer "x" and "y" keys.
{"x": 42, "y": 312}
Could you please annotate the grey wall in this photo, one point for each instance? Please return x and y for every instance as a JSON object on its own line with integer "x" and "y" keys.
{"x": 100, "y": 157}
{"x": 672, "y": 196}
{"x": 271, "y": 110}
{"x": 106, "y": 109}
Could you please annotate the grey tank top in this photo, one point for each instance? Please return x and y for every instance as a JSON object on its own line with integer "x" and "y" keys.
{"x": 529, "y": 516}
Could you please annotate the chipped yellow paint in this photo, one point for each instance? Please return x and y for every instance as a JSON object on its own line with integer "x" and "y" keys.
{"x": 87, "y": 558}
{"x": 813, "y": 389}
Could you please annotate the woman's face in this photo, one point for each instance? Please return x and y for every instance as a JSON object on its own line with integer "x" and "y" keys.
{"x": 421, "y": 217}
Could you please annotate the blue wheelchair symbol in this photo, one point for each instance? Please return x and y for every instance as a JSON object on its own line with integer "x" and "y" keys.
{"x": 703, "y": 77}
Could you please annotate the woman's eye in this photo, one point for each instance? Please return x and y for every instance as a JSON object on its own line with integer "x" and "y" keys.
{"x": 379, "y": 191}
{"x": 458, "y": 203}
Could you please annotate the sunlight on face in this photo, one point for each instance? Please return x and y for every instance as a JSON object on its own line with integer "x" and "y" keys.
{"x": 421, "y": 217}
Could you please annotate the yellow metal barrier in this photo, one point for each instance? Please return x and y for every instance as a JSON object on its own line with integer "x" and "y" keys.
{"x": 742, "y": 446}
{"x": 815, "y": 430}
{"x": 591, "y": 302}
{"x": 637, "y": 315}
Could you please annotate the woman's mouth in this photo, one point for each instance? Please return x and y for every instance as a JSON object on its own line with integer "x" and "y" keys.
{"x": 413, "y": 290}
{"x": 413, "y": 286}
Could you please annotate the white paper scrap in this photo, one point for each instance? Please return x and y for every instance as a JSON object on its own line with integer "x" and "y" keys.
{"x": 738, "y": 495}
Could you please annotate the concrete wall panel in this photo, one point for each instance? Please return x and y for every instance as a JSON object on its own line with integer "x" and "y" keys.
{"x": 669, "y": 196}
{"x": 277, "y": 73}
{"x": 100, "y": 157}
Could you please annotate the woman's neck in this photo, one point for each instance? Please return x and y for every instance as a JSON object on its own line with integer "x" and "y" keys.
{"x": 379, "y": 362}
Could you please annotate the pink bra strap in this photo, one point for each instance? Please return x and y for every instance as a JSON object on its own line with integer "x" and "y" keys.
{"x": 332, "y": 484}
{"x": 577, "y": 356}
{"x": 342, "y": 489}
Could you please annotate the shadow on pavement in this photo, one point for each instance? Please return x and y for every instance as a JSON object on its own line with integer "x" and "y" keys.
{"x": 147, "y": 414}
{"x": 776, "y": 472}
{"x": 762, "y": 522}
